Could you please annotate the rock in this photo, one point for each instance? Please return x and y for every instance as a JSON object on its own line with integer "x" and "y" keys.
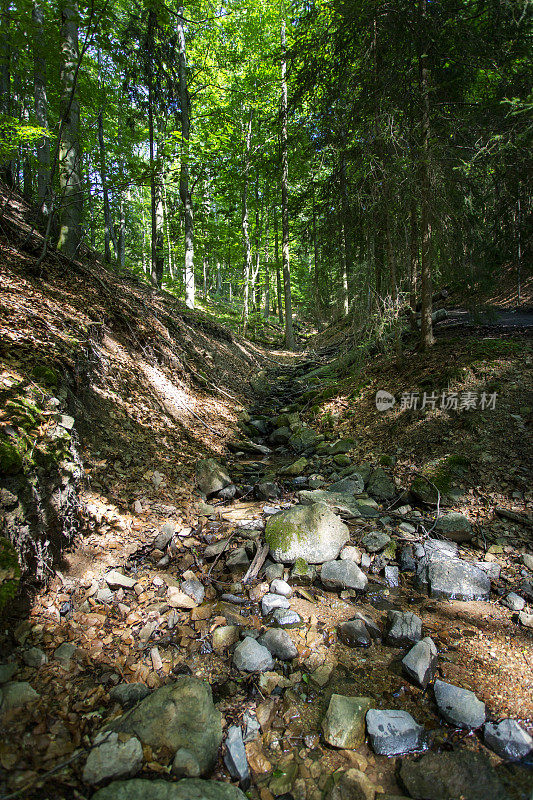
{"x": 273, "y": 571}
{"x": 525, "y": 619}
{"x": 405, "y": 628}
{"x": 266, "y": 491}
{"x": 280, "y": 436}
{"x": 178, "y": 599}
{"x": 180, "y": 717}
{"x": 352, "y": 485}
{"x": 279, "y": 643}
{"x": 16, "y": 694}
{"x": 64, "y": 653}
{"x": 313, "y": 533}
{"x": 371, "y": 626}
{"x": 342, "y": 460}
{"x": 341, "y": 446}
{"x": 455, "y": 526}
{"x": 7, "y": 671}
{"x": 354, "y": 633}
{"x": 392, "y": 576}
{"x": 225, "y": 636}
{"x": 350, "y": 553}
{"x": 215, "y": 549}
{"x": 459, "y": 707}
{"x": 343, "y": 575}
{"x": 188, "y": 789}
{"x": 490, "y": 568}
{"x": 407, "y": 561}
{"x": 351, "y": 785}
{"x": 104, "y": 595}
{"x": 527, "y": 560}
{"x": 287, "y": 419}
{"x": 279, "y": 586}
{"x": 343, "y": 503}
{"x": 420, "y": 663}
{"x": 460, "y": 775}
{"x": 344, "y": 723}
{"x": 252, "y": 728}
{"x": 164, "y": 536}
{"x": 374, "y": 541}
{"x": 271, "y": 601}
{"x": 227, "y": 493}
{"x": 116, "y": 580}
{"x": 457, "y": 580}
{"x": 514, "y": 602}
{"x": 34, "y": 657}
{"x": 367, "y": 507}
{"x": 281, "y": 783}
{"x": 381, "y": 486}
{"x": 322, "y": 675}
{"x": 211, "y": 476}
{"x": 508, "y": 739}
{"x": 205, "y": 509}
{"x": 194, "y": 589}
{"x": 129, "y": 694}
{"x": 113, "y": 759}
{"x": 303, "y": 573}
{"x": 296, "y": 468}
{"x": 393, "y": 733}
{"x": 305, "y": 440}
{"x": 250, "y": 656}
{"x": 285, "y": 618}
{"x": 235, "y": 757}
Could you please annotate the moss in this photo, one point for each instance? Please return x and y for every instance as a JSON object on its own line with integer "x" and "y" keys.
{"x": 9, "y": 572}
{"x": 280, "y": 534}
{"x": 301, "y": 566}
{"x": 46, "y": 375}
{"x": 10, "y": 459}
{"x": 441, "y": 473}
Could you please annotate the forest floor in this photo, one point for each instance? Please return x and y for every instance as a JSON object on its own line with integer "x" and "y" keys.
{"x": 153, "y": 388}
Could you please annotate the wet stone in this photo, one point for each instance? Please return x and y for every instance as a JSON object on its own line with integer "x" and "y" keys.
{"x": 279, "y": 643}
{"x": 225, "y": 636}
{"x": 420, "y": 663}
{"x": 34, "y": 657}
{"x": 508, "y": 739}
{"x": 344, "y": 723}
{"x": 343, "y": 575}
{"x": 252, "y": 728}
{"x": 405, "y": 628}
{"x": 460, "y": 775}
{"x": 371, "y": 626}
{"x": 235, "y": 757}
{"x": 393, "y": 733}
{"x": 211, "y": 477}
{"x": 392, "y": 576}
{"x": 129, "y": 694}
{"x": 250, "y": 656}
{"x": 458, "y": 706}
{"x": 271, "y": 601}
{"x": 354, "y": 634}
{"x": 286, "y": 618}
{"x": 352, "y": 785}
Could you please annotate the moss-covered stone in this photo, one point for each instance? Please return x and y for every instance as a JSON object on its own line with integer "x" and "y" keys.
{"x": 10, "y": 458}
{"x": 9, "y": 572}
{"x": 441, "y": 473}
{"x": 46, "y": 375}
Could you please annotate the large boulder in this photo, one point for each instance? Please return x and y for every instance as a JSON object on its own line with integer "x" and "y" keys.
{"x": 381, "y": 486}
{"x": 344, "y": 503}
{"x": 455, "y": 526}
{"x": 313, "y": 533}
{"x": 344, "y": 723}
{"x": 461, "y": 775}
{"x": 305, "y": 440}
{"x": 187, "y": 789}
{"x": 211, "y": 476}
{"x": 180, "y": 717}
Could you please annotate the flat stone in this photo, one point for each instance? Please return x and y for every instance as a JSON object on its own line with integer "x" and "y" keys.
{"x": 178, "y": 599}
{"x": 271, "y": 601}
{"x": 215, "y": 549}
{"x": 352, "y": 485}
{"x": 250, "y": 656}
{"x": 282, "y": 782}
{"x": 34, "y": 657}
{"x": 252, "y": 728}
{"x": 116, "y": 580}
{"x": 7, "y": 671}
{"x": 514, "y": 602}
{"x": 211, "y": 476}
{"x": 343, "y": 575}
{"x": 312, "y": 533}
{"x": 129, "y": 694}
{"x": 305, "y": 440}
{"x": 458, "y": 580}
{"x": 296, "y": 468}
{"x": 459, "y": 707}
{"x": 393, "y": 733}
{"x": 235, "y": 757}
{"x": 225, "y": 636}
{"x": 490, "y": 568}
{"x": 354, "y": 633}
{"x": 16, "y": 694}
{"x": 279, "y": 643}
{"x": 374, "y": 541}
{"x": 322, "y": 675}
{"x": 341, "y": 446}
{"x": 279, "y": 586}
{"x": 420, "y": 663}
{"x": 405, "y": 628}
{"x": 351, "y": 785}
{"x": 113, "y": 759}
{"x": 392, "y": 576}
{"x": 344, "y": 723}
{"x": 194, "y": 589}
{"x": 64, "y": 653}
{"x": 187, "y": 789}
{"x": 459, "y": 775}
{"x": 285, "y": 618}
{"x": 455, "y": 526}
{"x": 163, "y": 538}
{"x": 344, "y": 503}
{"x": 181, "y": 718}
{"x": 350, "y": 553}
{"x": 508, "y": 739}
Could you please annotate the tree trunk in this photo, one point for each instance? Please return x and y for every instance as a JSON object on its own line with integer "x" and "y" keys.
{"x": 69, "y": 149}
{"x": 245, "y": 230}
{"x": 427, "y": 338}
{"x": 185, "y": 193}
{"x": 316, "y": 275}
{"x": 7, "y": 166}
{"x": 122, "y": 230}
{"x": 41, "y": 107}
{"x": 109, "y": 232}
{"x": 266, "y": 311}
{"x": 278, "y": 271}
{"x": 289, "y": 333}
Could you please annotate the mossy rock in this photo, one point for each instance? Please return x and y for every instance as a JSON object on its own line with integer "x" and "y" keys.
{"x": 46, "y": 375}
{"x": 9, "y": 572}
{"x": 11, "y": 461}
{"x": 441, "y": 474}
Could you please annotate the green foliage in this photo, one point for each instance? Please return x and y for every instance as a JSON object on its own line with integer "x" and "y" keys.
{"x": 9, "y": 572}
{"x": 15, "y": 134}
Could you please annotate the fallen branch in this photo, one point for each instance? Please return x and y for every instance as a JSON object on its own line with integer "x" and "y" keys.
{"x": 257, "y": 563}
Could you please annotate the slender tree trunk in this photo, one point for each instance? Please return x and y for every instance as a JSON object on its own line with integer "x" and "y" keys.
{"x": 70, "y": 150}
{"x": 289, "y": 333}
{"x": 427, "y": 338}
{"x": 109, "y": 232}
{"x": 185, "y": 192}
{"x": 159, "y": 230}
{"x": 278, "y": 269}
{"x": 90, "y": 209}
{"x": 413, "y": 261}
{"x": 266, "y": 311}
{"x": 41, "y": 105}
{"x": 167, "y": 233}
{"x": 316, "y": 274}
{"x": 122, "y": 230}
{"x": 7, "y": 166}
{"x": 245, "y": 230}
{"x": 154, "y": 270}
{"x": 344, "y": 269}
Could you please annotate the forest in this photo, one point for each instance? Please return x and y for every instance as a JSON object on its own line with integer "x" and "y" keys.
{"x": 266, "y": 400}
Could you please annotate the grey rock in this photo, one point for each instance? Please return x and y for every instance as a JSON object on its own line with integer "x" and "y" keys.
{"x": 113, "y": 759}
{"x": 64, "y": 654}
{"x": 215, "y": 548}
{"x": 279, "y": 643}
{"x": 352, "y": 485}
{"x": 352, "y": 785}
{"x": 366, "y": 560}
{"x": 193, "y": 588}
{"x": 187, "y": 789}
{"x": 343, "y": 575}
{"x": 228, "y": 492}
{"x": 225, "y": 636}
{"x": 367, "y": 507}
{"x": 273, "y": 571}
{"x": 129, "y": 694}
{"x": 344, "y": 723}
{"x": 374, "y": 541}
{"x": 343, "y": 503}
{"x": 350, "y": 553}
{"x": 514, "y": 602}
{"x": 116, "y": 580}
{"x": 457, "y": 580}
{"x": 455, "y": 526}
{"x": 381, "y": 486}
{"x": 180, "y": 717}
{"x": 166, "y": 532}
{"x": 393, "y": 733}
{"x": 280, "y": 435}
{"x": 205, "y": 509}
{"x": 271, "y": 601}
{"x": 490, "y": 568}
{"x": 238, "y": 559}
{"x": 286, "y": 618}
{"x": 16, "y": 694}
{"x": 461, "y": 775}
{"x": 371, "y": 626}
{"x": 266, "y": 491}
{"x": 459, "y": 707}
{"x": 313, "y": 533}
{"x": 354, "y": 633}
{"x": 303, "y": 573}
{"x": 405, "y": 628}
{"x": 104, "y": 595}
{"x": 305, "y": 440}
{"x": 34, "y": 657}
{"x": 250, "y": 656}
{"x": 527, "y": 560}
{"x": 508, "y": 739}
{"x": 235, "y": 757}
{"x": 341, "y": 446}
{"x": 407, "y": 560}
{"x": 392, "y": 576}
{"x": 279, "y": 586}
{"x": 7, "y": 671}
{"x": 252, "y": 728}
{"x": 420, "y": 663}
{"x": 211, "y": 476}
{"x": 296, "y": 468}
